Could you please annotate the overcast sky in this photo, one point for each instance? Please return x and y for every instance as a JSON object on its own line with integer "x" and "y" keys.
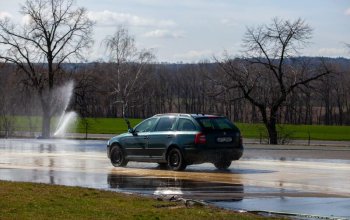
{"x": 196, "y": 30}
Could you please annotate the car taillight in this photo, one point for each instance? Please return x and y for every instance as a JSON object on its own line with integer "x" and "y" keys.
{"x": 200, "y": 139}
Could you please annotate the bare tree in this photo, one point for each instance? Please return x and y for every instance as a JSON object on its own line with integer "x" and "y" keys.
{"x": 268, "y": 74}
{"x": 8, "y": 92}
{"x": 84, "y": 92}
{"x": 55, "y": 31}
{"x": 129, "y": 65}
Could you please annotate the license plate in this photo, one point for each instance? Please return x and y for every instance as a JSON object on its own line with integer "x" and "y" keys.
{"x": 224, "y": 139}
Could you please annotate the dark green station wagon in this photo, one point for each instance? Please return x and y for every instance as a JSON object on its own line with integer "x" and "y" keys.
{"x": 177, "y": 140}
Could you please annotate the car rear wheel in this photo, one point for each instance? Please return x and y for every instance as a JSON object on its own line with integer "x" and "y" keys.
{"x": 118, "y": 157}
{"x": 175, "y": 160}
{"x": 223, "y": 164}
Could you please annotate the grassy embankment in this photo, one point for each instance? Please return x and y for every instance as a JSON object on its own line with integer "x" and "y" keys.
{"x": 40, "y": 201}
{"x": 117, "y": 125}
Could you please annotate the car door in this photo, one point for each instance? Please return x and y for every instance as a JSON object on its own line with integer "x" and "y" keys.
{"x": 161, "y": 137}
{"x": 137, "y": 142}
{"x": 186, "y": 132}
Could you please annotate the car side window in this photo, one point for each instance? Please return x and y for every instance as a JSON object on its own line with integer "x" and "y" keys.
{"x": 185, "y": 125}
{"x": 146, "y": 125}
{"x": 165, "y": 124}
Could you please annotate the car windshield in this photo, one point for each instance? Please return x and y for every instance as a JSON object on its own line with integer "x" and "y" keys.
{"x": 216, "y": 123}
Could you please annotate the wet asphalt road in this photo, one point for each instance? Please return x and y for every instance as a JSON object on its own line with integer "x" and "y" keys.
{"x": 294, "y": 179}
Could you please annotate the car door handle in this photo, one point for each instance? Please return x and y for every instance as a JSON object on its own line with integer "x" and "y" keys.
{"x": 145, "y": 137}
{"x": 169, "y": 136}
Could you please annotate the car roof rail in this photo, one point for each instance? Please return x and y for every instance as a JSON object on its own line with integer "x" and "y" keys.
{"x": 202, "y": 114}
{"x": 173, "y": 113}
{"x": 184, "y": 114}
{"x": 197, "y": 115}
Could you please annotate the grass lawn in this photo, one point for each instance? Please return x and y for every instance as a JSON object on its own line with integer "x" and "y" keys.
{"x": 40, "y": 201}
{"x": 95, "y": 125}
{"x": 302, "y": 132}
{"x": 118, "y": 125}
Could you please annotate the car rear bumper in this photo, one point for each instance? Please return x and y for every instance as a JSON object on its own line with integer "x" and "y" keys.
{"x": 196, "y": 155}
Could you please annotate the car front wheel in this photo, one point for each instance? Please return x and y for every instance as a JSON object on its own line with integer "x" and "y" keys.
{"x": 175, "y": 160}
{"x": 118, "y": 157}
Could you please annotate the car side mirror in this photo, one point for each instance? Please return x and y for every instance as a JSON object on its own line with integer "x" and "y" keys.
{"x": 131, "y": 130}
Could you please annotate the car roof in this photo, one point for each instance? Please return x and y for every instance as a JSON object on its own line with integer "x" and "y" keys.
{"x": 187, "y": 115}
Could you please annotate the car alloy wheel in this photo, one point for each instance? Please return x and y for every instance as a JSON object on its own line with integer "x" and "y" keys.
{"x": 118, "y": 157}
{"x": 175, "y": 160}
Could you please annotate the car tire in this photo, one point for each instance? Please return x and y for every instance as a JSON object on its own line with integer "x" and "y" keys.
{"x": 176, "y": 160}
{"x": 118, "y": 157}
{"x": 223, "y": 164}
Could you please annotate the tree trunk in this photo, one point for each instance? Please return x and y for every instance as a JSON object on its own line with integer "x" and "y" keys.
{"x": 271, "y": 128}
{"x": 46, "y": 122}
{"x": 270, "y": 124}
{"x": 86, "y": 128}
{"x": 46, "y": 108}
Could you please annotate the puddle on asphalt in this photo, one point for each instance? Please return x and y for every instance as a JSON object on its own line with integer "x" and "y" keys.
{"x": 125, "y": 183}
{"x": 296, "y": 159}
{"x": 52, "y": 145}
{"x": 230, "y": 196}
{"x": 84, "y": 163}
{"x": 174, "y": 186}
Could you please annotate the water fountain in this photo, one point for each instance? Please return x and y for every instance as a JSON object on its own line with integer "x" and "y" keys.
{"x": 67, "y": 119}
{"x": 62, "y": 98}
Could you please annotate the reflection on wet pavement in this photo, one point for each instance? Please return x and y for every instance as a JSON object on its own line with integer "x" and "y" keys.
{"x": 306, "y": 186}
{"x": 173, "y": 186}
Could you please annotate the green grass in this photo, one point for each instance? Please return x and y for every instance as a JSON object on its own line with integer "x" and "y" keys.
{"x": 95, "y": 125}
{"x": 118, "y": 125}
{"x": 40, "y": 201}
{"x": 302, "y": 132}
{"x": 106, "y": 125}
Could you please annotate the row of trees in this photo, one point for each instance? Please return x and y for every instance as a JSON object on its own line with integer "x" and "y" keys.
{"x": 269, "y": 83}
{"x": 195, "y": 88}
{"x": 191, "y": 88}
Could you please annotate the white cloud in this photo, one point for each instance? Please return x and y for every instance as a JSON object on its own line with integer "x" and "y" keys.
{"x": 333, "y": 52}
{"x": 26, "y": 19}
{"x": 109, "y": 18}
{"x": 162, "y": 33}
{"x": 228, "y": 22}
{"x": 347, "y": 12}
{"x": 4, "y": 14}
{"x": 23, "y": 19}
{"x": 195, "y": 55}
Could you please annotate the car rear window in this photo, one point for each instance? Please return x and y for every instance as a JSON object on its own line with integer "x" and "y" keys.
{"x": 216, "y": 123}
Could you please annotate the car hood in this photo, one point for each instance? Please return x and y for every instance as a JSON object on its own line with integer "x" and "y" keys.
{"x": 118, "y": 137}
